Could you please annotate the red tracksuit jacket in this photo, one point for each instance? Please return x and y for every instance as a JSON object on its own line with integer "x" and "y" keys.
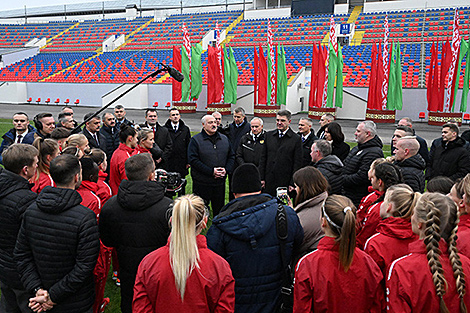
{"x": 43, "y": 181}
{"x": 321, "y": 285}
{"x": 409, "y": 282}
{"x": 463, "y": 236}
{"x": 104, "y": 191}
{"x": 366, "y": 202}
{"x": 208, "y": 289}
{"x": 87, "y": 190}
{"x": 390, "y": 242}
{"x": 117, "y": 171}
{"x": 369, "y": 226}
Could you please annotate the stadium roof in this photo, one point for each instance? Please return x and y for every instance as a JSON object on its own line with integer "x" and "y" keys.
{"x": 113, "y": 6}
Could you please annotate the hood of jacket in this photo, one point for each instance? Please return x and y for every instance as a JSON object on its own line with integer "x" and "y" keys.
{"x": 397, "y": 228}
{"x": 11, "y": 182}
{"x": 139, "y": 195}
{"x": 251, "y": 223}
{"x": 416, "y": 161}
{"x": 374, "y": 142}
{"x": 313, "y": 202}
{"x": 55, "y": 200}
{"x": 332, "y": 163}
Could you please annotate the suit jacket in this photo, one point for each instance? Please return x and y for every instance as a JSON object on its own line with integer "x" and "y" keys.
{"x": 92, "y": 142}
{"x": 163, "y": 140}
{"x": 280, "y": 158}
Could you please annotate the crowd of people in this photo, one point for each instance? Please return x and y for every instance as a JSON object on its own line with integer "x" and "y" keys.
{"x": 359, "y": 232}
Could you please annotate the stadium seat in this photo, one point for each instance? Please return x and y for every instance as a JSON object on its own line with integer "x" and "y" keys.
{"x": 48, "y": 100}
{"x": 422, "y": 115}
{"x": 77, "y": 102}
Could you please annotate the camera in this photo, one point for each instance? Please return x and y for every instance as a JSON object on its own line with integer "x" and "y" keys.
{"x": 171, "y": 180}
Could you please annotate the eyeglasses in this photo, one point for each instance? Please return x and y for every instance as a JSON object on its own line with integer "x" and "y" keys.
{"x": 19, "y": 121}
{"x": 174, "y": 114}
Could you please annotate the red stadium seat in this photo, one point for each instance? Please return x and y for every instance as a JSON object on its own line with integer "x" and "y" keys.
{"x": 77, "y": 101}
{"x": 57, "y": 101}
{"x": 48, "y": 100}
{"x": 466, "y": 117}
{"x": 422, "y": 115}
{"x": 155, "y": 104}
{"x": 67, "y": 101}
{"x": 29, "y": 100}
{"x": 168, "y": 104}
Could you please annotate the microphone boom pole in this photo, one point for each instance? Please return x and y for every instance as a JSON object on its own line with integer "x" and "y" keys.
{"x": 153, "y": 74}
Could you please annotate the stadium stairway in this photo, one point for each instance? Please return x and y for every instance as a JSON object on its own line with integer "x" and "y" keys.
{"x": 45, "y": 79}
{"x": 50, "y": 40}
{"x": 230, "y": 27}
{"x": 127, "y": 40}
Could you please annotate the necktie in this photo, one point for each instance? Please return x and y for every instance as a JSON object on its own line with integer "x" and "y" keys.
{"x": 153, "y": 128}
{"x": 281, "y": 135}
{"x": 18, "y": 140}
{"x": 176, "y": 128}
{"x": 96, "y": 138}
{"x": 303, "y": 139}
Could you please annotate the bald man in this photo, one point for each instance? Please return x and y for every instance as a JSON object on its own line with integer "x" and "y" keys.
{"x": 411, "y": 163}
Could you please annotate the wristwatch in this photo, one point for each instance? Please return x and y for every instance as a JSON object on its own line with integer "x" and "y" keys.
{"x": 37, "y": 289}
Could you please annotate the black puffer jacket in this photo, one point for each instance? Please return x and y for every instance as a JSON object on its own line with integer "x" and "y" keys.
{"x": 357, "y": 165}
{"x": 413, "y": 172}
{"x": 307, "y": 148}
{"x": 111, "y": 136}
{"x": 450, "y": 159}
{"x": 179, "y": 155}
{"x": 135, "y": 222}
{"x": 15, "y": 197}
{"x": 331, "y": 167}
{"x": 57, "y": 249}
{"x": 235, "y": 134}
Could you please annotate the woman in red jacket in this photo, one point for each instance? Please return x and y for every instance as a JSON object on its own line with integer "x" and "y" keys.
{"x": 394, "y": 232}
{"x": 382, "y": 177}
{"x": 338, "y": 277}
{"x": 104, "y": 191}
{"x": 48, "y": 150}
{"x": 185, "y": 276}
{"x": 441, "y": 288}
{"x": 117, "y": 172}
{"x": 460, "y": 193}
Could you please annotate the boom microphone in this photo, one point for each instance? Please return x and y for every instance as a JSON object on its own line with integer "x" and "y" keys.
{"x": 173, "y": 73}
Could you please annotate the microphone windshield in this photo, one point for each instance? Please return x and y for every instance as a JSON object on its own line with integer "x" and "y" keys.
{"x": 175, "y": 74}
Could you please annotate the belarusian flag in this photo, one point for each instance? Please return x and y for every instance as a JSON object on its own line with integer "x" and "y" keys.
{"x": 395, "y": 90}
{"x": 385, "y": 60}
{"x": 453, "y": 65}
{"x": 335, "y": 70}
{"x": 463, "y": 52}
{"x": 263, "y": 79}
{"x": 186, "y": 84}
{"x": 281, "y": 76}
{"x": 227, "y": 86}
{"x": 176, "y": 86}
{"x": 196, "y": 71}
{"x": 271, "y": 67}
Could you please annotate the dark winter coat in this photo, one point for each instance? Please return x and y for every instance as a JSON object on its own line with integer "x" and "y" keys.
{"x": 413, "y": 172}
{"x": 9, "y": 138}
{"x": 280, "y": 158}
{"x": 236, "y": 133}
{"x": 340, "y": 149}
{"x": 15, "y": 197}
{"x": 306, "y": 148}
{"x": 57, "y": 249}
{"x": 356, "y": 166}
{"x": 249, "y": 150}
{"x": 135, "y": 222}
{"x": 163, "y": 140}
{"x": 204, "y": 155}
{"x": 331, "y": 167}
{"x": 449, "y": 159}
{"x": 92, "y": 142}
{"x": 179, "y": 155}
{"x": 423, "y": 148}
{"x": 111, "y": 136}
{"x": 244, "y": 233}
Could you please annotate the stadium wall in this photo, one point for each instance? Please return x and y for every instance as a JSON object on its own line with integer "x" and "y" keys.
{"x": 383, "y": 6}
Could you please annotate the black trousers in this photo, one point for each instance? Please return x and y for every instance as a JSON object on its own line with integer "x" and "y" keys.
{"x": 215, "y": 195}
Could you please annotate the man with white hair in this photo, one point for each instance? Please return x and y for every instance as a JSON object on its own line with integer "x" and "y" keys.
{"x": 251, "y": 144}
{"x": 308, "y": 137}
{"x": 211, "y": 158}
{"x": 357, "y": 164}
{"x": 412, "y": 165}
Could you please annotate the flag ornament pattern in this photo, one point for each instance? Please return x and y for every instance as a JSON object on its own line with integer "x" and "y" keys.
{"x": 332, "y": 37}
{"x": 272, "y": 66}
{"x": 385, "y": 63}
{"x": 219, "y": 57}
{"x": 455, "y": 55}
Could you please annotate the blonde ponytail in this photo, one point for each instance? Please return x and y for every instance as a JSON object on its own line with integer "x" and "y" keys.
{"x": 187, "y": 219}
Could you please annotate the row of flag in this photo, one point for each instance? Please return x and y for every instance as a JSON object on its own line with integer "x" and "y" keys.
{"x": 444, "y": 73}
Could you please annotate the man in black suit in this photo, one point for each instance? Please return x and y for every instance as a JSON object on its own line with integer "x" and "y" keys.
{"x": 180, "y": 135}
{"x": 92, "y": 132}
{"x": 161, "y": 136}
{"x": 307, "y": 137}
{"x": 281, "y": 156}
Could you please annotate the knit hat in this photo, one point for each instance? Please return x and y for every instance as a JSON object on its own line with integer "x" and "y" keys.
{"x": 246, "y": 179}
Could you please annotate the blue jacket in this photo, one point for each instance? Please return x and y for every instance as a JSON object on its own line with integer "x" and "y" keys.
{"x": 204, "y": 156}
{"x": 9, "y": 138}
{"x": 244, "y": 233}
